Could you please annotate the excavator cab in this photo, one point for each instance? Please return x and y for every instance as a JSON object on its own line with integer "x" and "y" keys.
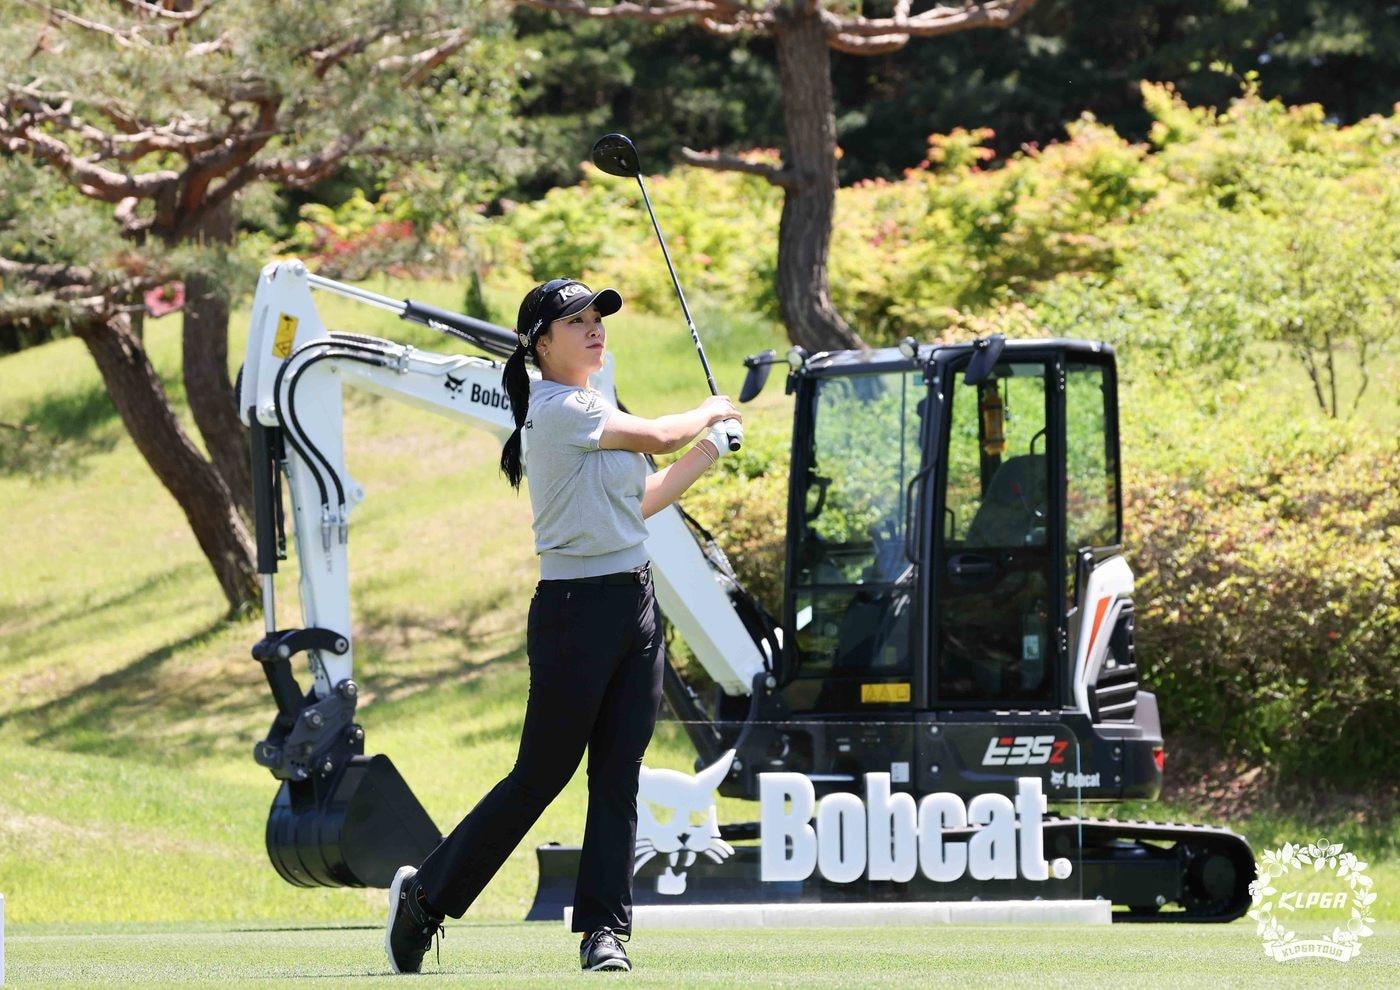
{"x": 954, "y": 564}
{"x": 925, "y": 545}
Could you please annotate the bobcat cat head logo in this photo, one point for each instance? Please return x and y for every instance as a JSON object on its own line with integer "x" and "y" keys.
{"x": 676, "y": 819}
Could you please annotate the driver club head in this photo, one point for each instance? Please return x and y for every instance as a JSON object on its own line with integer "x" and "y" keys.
{"x": 617, "y": 155}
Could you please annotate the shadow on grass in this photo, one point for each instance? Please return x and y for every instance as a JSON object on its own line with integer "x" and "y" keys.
{"x": 89, "y": 611}
{"x": 100, "y": 715}
{"x": 56, "y": 434}
{"x": 34, "y": 451}
{"x": 74, "y": 414}
{"x": 390, "y": 637}
{"x": 199, "y": 701}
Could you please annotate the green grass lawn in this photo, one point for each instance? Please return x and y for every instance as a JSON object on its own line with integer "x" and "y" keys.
{"x": 129, "y": 704}
{"x": 540, "y": 954}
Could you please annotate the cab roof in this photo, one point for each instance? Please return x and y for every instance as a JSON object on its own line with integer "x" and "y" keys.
{"x": 890, "y": 359}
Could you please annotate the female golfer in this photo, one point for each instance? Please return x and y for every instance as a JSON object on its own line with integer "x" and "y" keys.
{"x": 594, "y": 631}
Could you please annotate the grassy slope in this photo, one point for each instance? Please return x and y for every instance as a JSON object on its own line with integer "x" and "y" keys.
{"x": 541, "y": 954}
{"x": 128, "y": 704}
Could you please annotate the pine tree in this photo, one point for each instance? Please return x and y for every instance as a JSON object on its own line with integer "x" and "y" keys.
{"x": 142, "y": 128}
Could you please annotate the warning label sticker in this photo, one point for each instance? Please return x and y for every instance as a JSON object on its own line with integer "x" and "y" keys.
{"x": 286, "y": 333}
{"x": 895, "y": 693}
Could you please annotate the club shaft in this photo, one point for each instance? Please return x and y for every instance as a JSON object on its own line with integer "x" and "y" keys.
{"x": 685, "y": 309}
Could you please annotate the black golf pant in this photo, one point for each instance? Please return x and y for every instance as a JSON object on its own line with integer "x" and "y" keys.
{"x": 596, "y": 657}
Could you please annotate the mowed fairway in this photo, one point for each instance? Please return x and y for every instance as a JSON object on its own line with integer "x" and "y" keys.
{"x": 543, "y": 954}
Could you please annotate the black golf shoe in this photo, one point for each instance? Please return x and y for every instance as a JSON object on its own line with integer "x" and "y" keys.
{"x": 411, "y": 926}
{"x": 602, "y": 950}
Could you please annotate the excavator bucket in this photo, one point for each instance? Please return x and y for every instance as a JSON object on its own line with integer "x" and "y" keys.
{"x": 354, "y": 829}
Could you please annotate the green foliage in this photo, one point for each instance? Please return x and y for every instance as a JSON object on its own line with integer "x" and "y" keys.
{"x": 747, "y": 492}
{"x": 357, "y": 237}
{"x": 909, "y": 257}
{"x": 1268, "y": 607}
{"x": 1260, "y": 223}
{"x": 186, "y": 114}
{"x": 668, "y": 84}
{"x": 719, "y": 229}
{"x": 1273, "y": 226}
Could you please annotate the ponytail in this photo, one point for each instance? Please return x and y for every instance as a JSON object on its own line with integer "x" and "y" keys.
{"x": 516, "y": 381}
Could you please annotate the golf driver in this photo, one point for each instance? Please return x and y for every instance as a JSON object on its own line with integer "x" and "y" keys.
{"x": 617, "y": 155}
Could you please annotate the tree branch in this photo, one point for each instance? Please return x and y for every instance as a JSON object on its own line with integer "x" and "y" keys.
{"x": 853, "y": 44}
{"x": 740, "y": 22}
{"x": 56, "y": 275}
{"x": 165, "y": 13}
{"x": 733, "y": 163}
{"x": 330, "y": 55}
{"x": 420, "y": 64}
{"x": 90, "y": 179}
{"x": 936, "y": 21}
{"x": 307, "y": 171}
{"x": 231, "y": 150}
{"x": 135, "y": 142}
{"x": 660, "y": 10}
{"x": 59, "y": 17}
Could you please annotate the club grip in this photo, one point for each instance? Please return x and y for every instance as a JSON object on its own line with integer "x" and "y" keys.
{"x": 735, "y": 432}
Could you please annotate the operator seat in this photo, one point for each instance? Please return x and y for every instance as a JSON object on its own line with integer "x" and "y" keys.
{"x": 1006, "y": 517}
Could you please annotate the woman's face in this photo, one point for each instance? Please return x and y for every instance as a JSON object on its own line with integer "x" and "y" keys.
{"x": 574, "y": 345}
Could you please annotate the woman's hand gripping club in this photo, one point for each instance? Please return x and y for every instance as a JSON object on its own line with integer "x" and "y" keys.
{"x": 726, "y": 429}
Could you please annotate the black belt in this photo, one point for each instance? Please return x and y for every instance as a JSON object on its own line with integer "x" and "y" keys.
{"x": 638, "y": 575}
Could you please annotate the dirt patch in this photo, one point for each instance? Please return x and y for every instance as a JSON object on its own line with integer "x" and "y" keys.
{"x": 1226, "y": 788}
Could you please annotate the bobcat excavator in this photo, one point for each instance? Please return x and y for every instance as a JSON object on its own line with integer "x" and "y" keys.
{"x": 957, "y": 610}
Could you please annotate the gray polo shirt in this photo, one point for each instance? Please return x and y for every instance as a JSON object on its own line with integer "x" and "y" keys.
{"x": 587, "y": 502}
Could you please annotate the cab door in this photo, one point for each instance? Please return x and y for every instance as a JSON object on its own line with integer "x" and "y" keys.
{"x": 852, "y": 600}
{"x": 997, "y": 602}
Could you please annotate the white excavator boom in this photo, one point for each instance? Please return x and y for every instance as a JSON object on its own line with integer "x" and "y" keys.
{"x": 293, "y": 375}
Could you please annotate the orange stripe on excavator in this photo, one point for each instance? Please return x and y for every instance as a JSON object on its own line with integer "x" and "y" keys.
{"x": 1099, "y": 611}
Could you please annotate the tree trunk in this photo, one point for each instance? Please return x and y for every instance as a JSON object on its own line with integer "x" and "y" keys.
{"x": 136, "y": 391}
{"x": 804, "y": 236}
{"x": 207, "y": 386}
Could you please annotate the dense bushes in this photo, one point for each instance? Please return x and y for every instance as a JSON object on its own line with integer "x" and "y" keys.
{"x": 1269, "y": 603}
{"x": 1260, "y": 223}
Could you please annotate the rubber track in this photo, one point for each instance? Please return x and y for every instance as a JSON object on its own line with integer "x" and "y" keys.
{"x": 1099, "y": 832}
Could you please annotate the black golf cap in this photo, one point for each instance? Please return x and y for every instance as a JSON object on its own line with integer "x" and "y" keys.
{"x": 557, "y": 299}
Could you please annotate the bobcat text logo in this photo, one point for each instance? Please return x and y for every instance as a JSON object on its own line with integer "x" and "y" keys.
{"x": 893, "y": 837}
{"x": 494, "y": 398}
{"x": 1058, "y": 778}
{"x": 676, "y": 819}
{"x": 1024, "y": 751}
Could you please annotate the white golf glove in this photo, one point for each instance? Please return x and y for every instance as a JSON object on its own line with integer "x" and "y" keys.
{"x": 725, "y": 433}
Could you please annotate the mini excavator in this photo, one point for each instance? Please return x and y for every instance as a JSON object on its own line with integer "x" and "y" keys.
{"x": 956, "y": 612}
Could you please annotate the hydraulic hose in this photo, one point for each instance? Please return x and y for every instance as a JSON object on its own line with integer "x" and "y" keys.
{"x": 287, "y": 413}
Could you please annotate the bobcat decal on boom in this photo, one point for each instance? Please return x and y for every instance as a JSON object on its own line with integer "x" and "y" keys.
{"x": 676, "y": 819}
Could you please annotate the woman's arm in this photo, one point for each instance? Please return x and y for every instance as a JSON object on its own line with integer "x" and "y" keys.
{"x": 665, "y": 434}
{"x": 668, "y": 484}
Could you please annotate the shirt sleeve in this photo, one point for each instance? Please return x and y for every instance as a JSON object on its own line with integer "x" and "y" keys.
{"x": 580, "y": 419}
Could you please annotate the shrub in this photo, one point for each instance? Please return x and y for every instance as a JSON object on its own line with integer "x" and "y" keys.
{"x": 1268, "y": 604}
